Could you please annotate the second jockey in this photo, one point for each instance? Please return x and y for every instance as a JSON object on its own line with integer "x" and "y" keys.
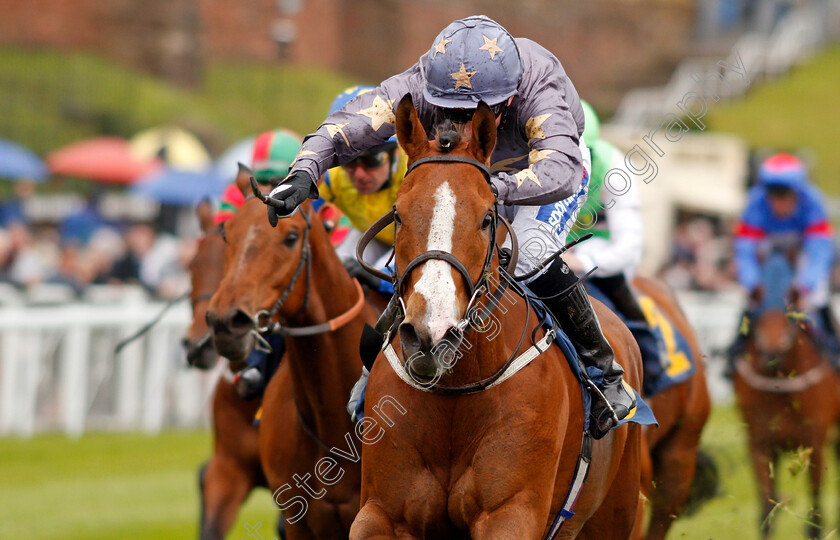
{"x": 365, "y": 189}
{"x": 785, "y": 212}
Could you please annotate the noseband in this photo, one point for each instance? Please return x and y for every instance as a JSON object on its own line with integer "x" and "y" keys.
{"x": 473, "y": 288}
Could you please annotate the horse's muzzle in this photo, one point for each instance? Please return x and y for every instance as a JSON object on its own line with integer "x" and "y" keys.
{"x": 232, "y": 333}
{"x": 200, "y": 353}
{"x": 426, "y": 361}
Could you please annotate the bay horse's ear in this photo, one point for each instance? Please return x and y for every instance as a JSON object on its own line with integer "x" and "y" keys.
{"x": 243, "y": 180}
{"x": 204, "y": 212}
{"x": 483, "y": 139}
{"x": 410, "y": 133}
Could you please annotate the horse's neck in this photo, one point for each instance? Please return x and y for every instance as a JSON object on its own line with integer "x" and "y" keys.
{"x": 325, "y": 366}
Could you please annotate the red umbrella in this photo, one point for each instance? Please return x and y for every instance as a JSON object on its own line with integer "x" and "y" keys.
{"x": 103, "y": 159}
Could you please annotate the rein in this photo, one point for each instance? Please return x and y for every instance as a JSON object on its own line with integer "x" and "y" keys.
{"x": 780, "y": 385}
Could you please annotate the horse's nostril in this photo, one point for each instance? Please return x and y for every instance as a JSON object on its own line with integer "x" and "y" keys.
{"x": 241, "y": 320}
{"x": 408, "y": 337}
{"x": 185, "y": 343}
{"x": 414, "y": 339}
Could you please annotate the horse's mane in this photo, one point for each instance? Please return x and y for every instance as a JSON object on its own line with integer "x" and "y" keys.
{"x": 448, "y": 136}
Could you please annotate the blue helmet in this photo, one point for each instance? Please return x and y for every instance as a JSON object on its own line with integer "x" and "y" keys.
{"x": 471, "y": 60}
{"x": 784, "y": 170}
{"x": 348, "y": 94}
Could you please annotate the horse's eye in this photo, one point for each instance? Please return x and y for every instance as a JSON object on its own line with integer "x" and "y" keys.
{"x": 397, "y": 218}
{"x": 488, "y": 220}
{"x": 291, "y": 238}
{"x": 223, "y": 233}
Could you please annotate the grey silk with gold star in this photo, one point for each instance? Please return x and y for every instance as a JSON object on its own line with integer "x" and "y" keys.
{"x": 537, "y": 160}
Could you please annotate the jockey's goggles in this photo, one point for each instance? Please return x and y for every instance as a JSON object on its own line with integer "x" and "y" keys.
{"x": 368, "y": 160}
{"x": 777, "y": 190}
{"x": 462, "y": 116}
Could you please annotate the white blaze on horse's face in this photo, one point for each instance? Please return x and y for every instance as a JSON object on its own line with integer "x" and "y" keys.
{"x": 436, "y": 284}
{"x": 244, "y": 259}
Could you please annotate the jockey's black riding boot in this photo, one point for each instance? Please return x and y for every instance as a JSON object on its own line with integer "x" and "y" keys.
{"x": 737, "y": 348}
{"x": 618, "y": 291}
{"x": 577, "y": 318}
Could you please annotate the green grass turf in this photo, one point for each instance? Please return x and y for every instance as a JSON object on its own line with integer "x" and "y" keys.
{"x": 796, "y": 111}
{"x": 114, "y": 486}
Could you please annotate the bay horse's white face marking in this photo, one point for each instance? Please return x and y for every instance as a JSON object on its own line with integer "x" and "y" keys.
{"x": 436, "y": 284}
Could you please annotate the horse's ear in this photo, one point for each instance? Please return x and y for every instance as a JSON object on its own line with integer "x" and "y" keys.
{"x": 757, "y": 294}
{"x": 243, "y": 180}
{"x": 410, "y": 133}
{"x": 204, "y": 212}
{"x": 483, "y": 139}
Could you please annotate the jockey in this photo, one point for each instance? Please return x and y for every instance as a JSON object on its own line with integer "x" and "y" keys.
{"x": 615, "y": 248}
{"x": 539, "y": 160}
{"x": 365, "y": 189}
{"x": 784, "y": 211}
{"x": 274, "y": 152}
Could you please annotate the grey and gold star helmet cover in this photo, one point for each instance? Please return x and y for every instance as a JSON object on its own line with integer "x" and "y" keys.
{"x": 471, "y": 60}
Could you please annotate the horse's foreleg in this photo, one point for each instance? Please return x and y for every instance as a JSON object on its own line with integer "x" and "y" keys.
{"x": 224, "y": 487}
{"x": 815, "y": 521}
{"x": 762, "y": 461}
{"x": 372, "y": 523}
{"x": 510, "y": 521}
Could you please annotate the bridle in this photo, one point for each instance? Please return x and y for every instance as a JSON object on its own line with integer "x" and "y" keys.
{"x": 264, "y": 323}
{"x": 475, "y": 289}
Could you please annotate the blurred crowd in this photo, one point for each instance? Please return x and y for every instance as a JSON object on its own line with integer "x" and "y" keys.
{"x": 84, "y": 249}
{"x": 701, "y": 256}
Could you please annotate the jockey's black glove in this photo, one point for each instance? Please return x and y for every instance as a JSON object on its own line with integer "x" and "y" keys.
{"x": 290, "y": 194}
{"x": 356, "y": 270}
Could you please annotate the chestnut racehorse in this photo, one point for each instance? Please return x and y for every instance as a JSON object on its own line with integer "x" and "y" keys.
{"x": 497, "y": 463}
{"x": 682, "y": 411}
{"x": 289, "y": 279}
{"x": 788, "y": 394}
{"x": 234, "y": 469}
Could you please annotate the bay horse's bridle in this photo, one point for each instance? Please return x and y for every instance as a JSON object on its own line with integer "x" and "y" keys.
{"x": 264, "y": 323}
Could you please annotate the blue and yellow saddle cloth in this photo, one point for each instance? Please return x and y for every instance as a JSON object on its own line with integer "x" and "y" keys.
{"x": 673, "y": 351}
{"x": 640, "y": 414}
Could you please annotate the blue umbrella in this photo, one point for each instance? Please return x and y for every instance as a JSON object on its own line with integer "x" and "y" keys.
{"x": 18, "y": 162}
{"x": 180, "y": 187}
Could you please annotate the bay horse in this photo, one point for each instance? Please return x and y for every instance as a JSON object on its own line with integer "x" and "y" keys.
{"x": 787, "y": 393}
{"x": 682, "y": 411}
{"x": 288, "y": 279}
{"x": 234, "y": 469}
{"x": 496, "y": 463}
